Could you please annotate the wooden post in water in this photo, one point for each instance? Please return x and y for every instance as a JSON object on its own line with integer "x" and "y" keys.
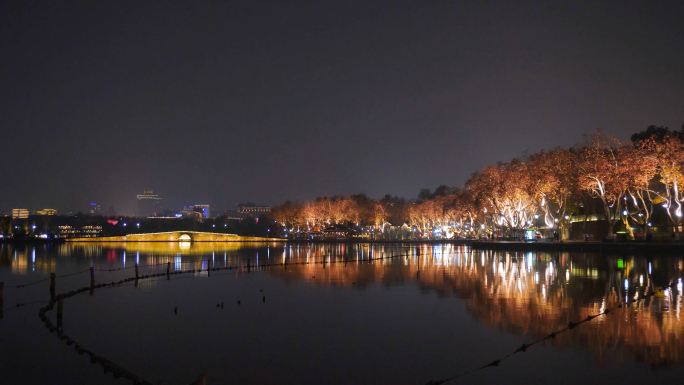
{"x": 136, "y": 274}
{"x": 2, "y": 285}
{"x": 60, "y": 310}
{"x": 92, "y": 280}
{"x": 208, "y": 269}
{"x": 52, "y": 284}
{"x": 168, "y": 271}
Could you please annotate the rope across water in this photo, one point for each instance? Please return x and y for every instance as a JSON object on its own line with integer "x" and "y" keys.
{"x": 571, "y": 325}
{"x": 111, "y": 367}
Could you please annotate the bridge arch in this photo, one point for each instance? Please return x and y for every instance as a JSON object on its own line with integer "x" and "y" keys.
{"x": 185, "y": 238}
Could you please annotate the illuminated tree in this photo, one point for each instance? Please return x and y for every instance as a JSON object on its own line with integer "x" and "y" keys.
{"x": 604, "y": 172}
{"x": 641, "y": 168}
{"x": 359, "y": 210}
{"x": 502, "y": 191}
{"x": 314, "y": 215}
{"x": 552, "y": 182}
{"x": 667, "y": 155}
{"x": 288, "y": 215}
{"x": 425, "y": 216}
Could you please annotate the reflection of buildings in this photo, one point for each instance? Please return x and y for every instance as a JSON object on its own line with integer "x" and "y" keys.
{"x": 24, "y": 260}
{"x": 149, "y": 204}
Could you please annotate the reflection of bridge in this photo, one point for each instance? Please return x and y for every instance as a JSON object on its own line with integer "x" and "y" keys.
{"x": 176, "y": 236}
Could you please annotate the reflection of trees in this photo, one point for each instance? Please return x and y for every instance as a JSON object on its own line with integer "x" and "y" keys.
{"x": 535, "y": 294}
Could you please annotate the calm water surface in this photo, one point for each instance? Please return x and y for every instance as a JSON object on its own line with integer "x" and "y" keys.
{"x": 431, "y": 312}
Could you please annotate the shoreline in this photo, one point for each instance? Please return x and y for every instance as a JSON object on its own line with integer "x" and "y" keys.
{"x": 639, "y": 247}
{"x": 636, "y": 247}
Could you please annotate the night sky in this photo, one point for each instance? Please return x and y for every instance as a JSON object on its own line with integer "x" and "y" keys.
{"x": 220, "y": 102}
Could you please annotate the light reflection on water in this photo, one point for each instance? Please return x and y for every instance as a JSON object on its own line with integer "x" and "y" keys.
{"x": 519, "y": 293}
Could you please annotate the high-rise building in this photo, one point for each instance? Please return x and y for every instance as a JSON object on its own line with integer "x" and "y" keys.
{"x": 20, "y": 213}
{"x": 204, "y": 209}
{"x": 149, "y": 204}
{"x": 95, "y": 209}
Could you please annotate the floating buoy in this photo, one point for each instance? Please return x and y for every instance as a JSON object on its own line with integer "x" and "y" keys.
{"x": 175, "y": 310}
{"x": 221, "y": 305}
{"x": 238, "y": 302}
{"x": 264, "y": 299}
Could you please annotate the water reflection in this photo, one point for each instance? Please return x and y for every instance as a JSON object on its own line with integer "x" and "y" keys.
{"x": 23, "y": 261}
{"x": 528, "y": 294}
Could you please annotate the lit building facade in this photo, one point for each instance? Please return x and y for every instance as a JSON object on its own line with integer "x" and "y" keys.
{"x": 149, "y": 204}
{"x": 20, "y": 213}
{"x": 204, "y": 209}
{"x": 47, "y": 212}
{"x": 252, "y": 210}
{"x": 79, "y": 232}
{"x": 95, "y": 209}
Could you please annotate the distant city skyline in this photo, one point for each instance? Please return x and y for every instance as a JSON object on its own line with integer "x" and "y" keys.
{"x": 148, "y": 204}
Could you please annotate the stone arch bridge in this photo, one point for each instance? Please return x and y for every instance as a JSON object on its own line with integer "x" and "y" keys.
{"x": 176, "y": 236}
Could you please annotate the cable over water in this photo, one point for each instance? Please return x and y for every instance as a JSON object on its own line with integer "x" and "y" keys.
{"x": 571, "y": 325}
{"x": 47, "y": 279}
{"x": 111, "y": 367}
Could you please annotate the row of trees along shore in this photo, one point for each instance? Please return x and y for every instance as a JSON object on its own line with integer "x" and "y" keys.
{"x": 614, "y": 182}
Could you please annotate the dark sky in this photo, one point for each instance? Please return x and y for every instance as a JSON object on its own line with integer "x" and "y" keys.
{"x": 222, "y": 102}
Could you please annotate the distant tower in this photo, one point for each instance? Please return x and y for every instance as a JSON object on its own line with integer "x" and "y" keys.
{"x": 149, "y": 204}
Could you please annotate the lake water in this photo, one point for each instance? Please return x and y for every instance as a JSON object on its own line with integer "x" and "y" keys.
{"x": 341, "y": 314}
